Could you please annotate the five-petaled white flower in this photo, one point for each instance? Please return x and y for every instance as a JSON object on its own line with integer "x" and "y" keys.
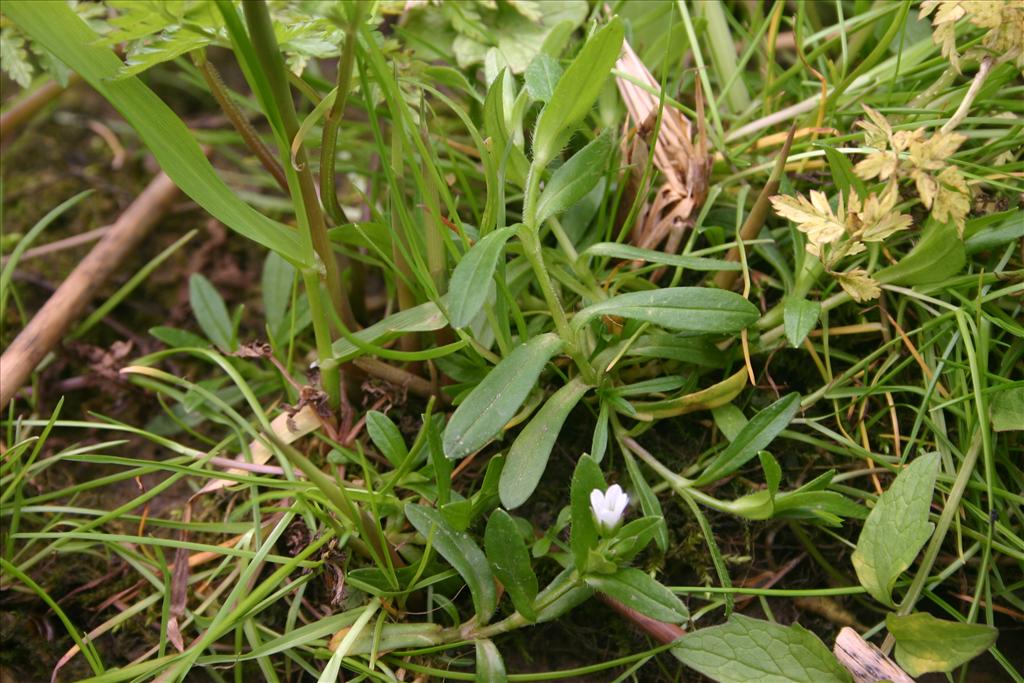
{"x": 608, "y": 506}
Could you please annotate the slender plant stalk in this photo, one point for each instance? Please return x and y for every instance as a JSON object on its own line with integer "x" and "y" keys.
{"x": 261, "y": 32}
{"x": 332, "y": 122}
{"x": 252, "y": 139}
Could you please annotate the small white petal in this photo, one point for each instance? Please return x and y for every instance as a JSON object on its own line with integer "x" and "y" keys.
{"x": 620, "y": 505}
{"x": 611, "y": 497}
{"x": 596, "y": 500}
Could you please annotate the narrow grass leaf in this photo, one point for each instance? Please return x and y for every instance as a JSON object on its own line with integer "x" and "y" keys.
{"x": 510, "y": 561}
{"x": 461, "y": 553}
{"x": 925, "y": 644}
{"x": 625, "y": 251}
{"x": 745, "y": 650}
{"x": 575, "y": 178}
{"x": 576, "y": 91}
{"x": 471, "y": 279}
{"x": 636, "y": 589}
{"x": 528, "y": 457}
{"x": 211, "y": 312}
{"x": 755, "y": 436}
{"x": 896, "y": 529}
{"x": 690, "y": 309}
{"x": 494, "y": 401}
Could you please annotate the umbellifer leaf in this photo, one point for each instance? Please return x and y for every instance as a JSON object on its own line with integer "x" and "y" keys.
{"x": 896, "y": 529}
{"x": 746, "y": 650}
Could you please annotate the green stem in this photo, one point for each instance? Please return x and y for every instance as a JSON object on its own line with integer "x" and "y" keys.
{"x": 261, "y": 31}
{"x": 332, "y": 122}
{"x": 330, "y": 374}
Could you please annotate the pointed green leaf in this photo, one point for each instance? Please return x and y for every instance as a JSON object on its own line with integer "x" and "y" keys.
{"x": 575, "y": 178}
{"x": 800, "y": 316}
{"x": 690, "y": 309}
{"x": 386, "y": 437}
{"x": 471, "y": 279}
{"x": 211, "y": 312}
{"x": 461, "y": 553}
{"x": 925, "y": 644}
{"x": 510, "y": 561}
{"x": 494, "y": 401}
{"x": 755, "y": 436}
{"x": 576, "y": 91}
{"x": 529, "y": 454}
{"x": 636, "y": 589}
{"x": 745, "y": 650}
{"x": 896, "y": 529}
{"x": 495, "y": 126}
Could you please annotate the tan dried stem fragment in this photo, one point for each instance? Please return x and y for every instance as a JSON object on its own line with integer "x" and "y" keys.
{"x": 684, "y": 165}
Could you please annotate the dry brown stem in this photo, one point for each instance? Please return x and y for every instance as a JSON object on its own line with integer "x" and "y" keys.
{"x": 62, "y": 309}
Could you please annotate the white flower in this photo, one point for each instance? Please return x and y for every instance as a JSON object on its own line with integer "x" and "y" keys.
{"x": 608, "y": 506}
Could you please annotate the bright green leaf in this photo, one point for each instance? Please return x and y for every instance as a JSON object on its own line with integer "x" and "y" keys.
{"x": 211, "y": 312}
{"x": 386, "y": 437}
{"x": 542, "y": 76}
{"x": 896, "y": 529}
{"x": 625, "y": 251}
{"x": 636, "y": 589}
{"x": 423, "y": 318}
{"x": 575, "y": 178}
{"x": 800, "y": 316}
{"x": 583, "y": 534}
{"x": 490, "y": 667}
{"x": 576, "y": 91}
